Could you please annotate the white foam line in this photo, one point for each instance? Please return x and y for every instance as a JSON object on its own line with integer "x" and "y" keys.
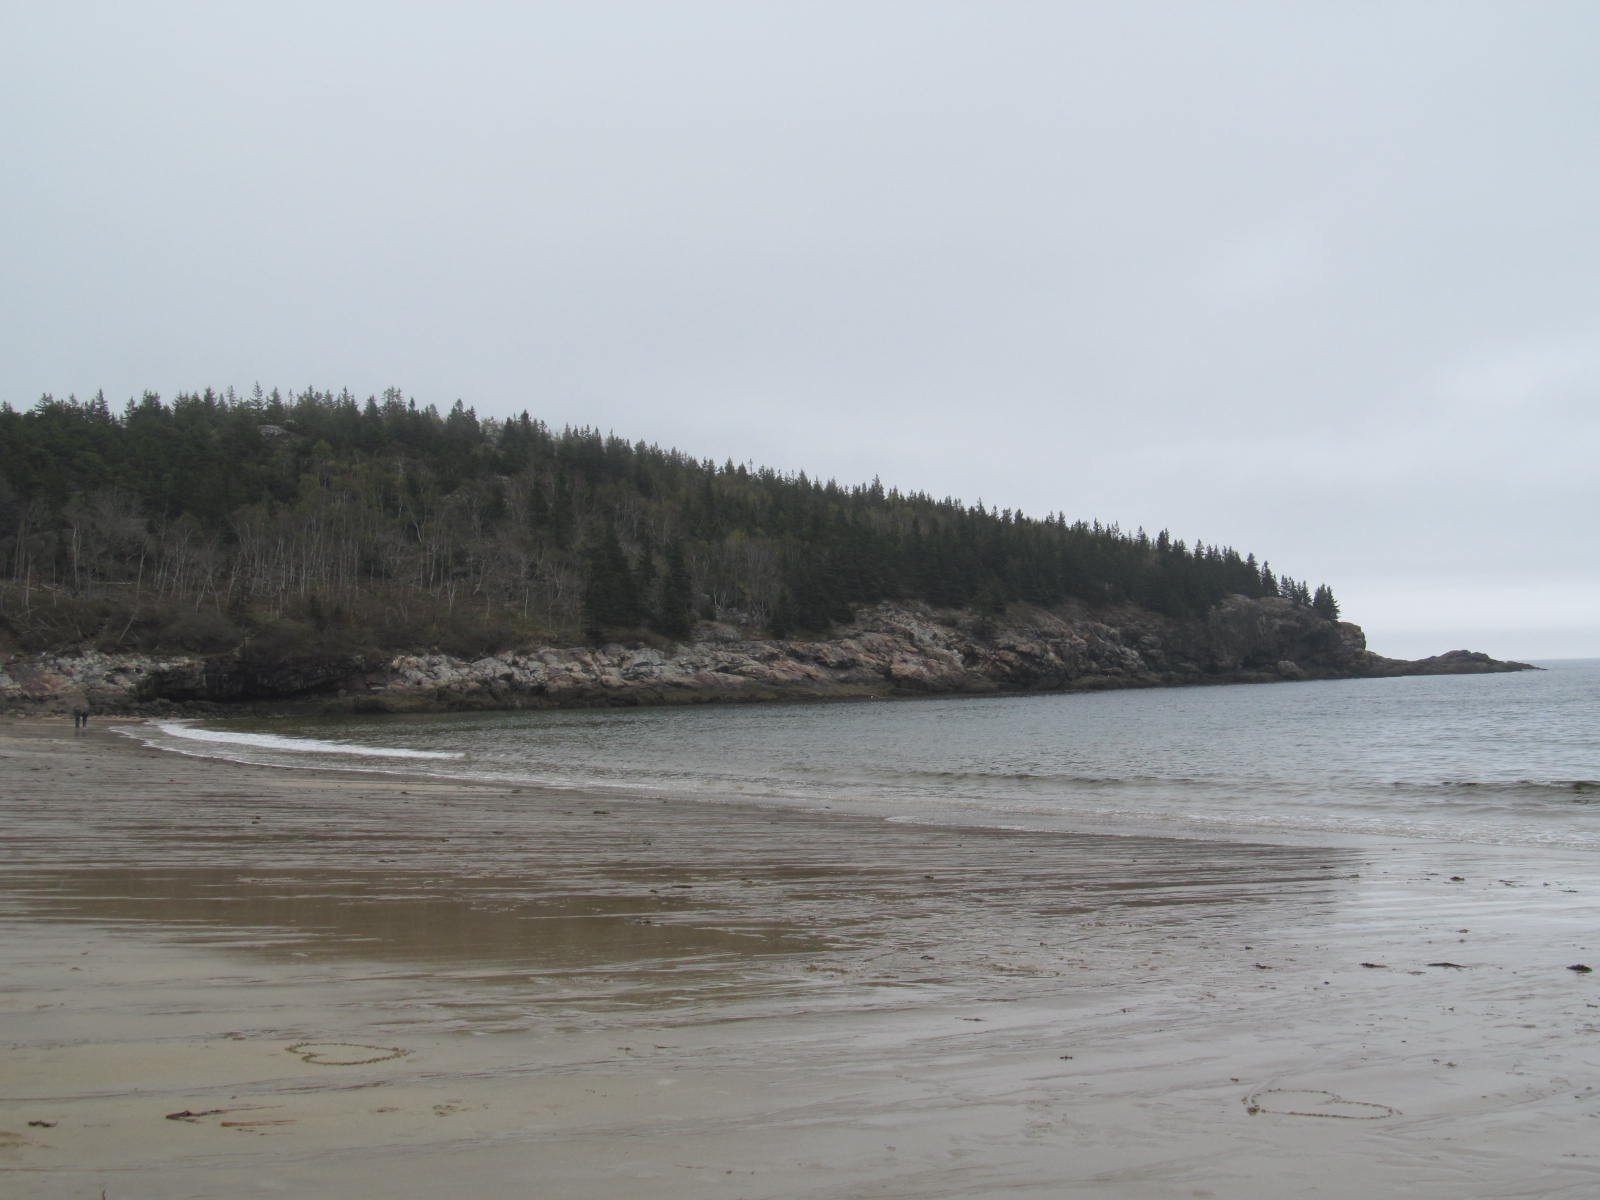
{"x": 214, "y": 752}
{"x": 272, "y": 741}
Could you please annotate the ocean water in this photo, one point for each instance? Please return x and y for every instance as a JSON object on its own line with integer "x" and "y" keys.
{"x": 1493, "y": 759}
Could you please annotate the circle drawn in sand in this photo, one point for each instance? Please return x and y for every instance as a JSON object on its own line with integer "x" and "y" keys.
{"x": 344, "y": 1054}
{"x": 1314, "y": 1102}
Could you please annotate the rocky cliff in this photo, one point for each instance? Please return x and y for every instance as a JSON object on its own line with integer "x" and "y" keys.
{"x": 888, "y": 650}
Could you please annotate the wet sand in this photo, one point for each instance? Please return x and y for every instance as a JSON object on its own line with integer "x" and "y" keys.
{"x": 379, "y": 985}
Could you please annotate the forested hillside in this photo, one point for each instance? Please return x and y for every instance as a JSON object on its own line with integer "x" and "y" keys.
{"x": 275, "y": 525}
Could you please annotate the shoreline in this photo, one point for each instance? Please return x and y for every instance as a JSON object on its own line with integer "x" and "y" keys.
{"x": 228, "y": 739}
{"x": 600, "y": 995}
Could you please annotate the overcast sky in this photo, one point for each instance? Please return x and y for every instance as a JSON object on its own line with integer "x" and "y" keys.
{"x": 1320, "y": 281}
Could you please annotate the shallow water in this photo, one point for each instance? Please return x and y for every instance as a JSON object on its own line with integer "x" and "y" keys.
{"x": 1492, "y": 759}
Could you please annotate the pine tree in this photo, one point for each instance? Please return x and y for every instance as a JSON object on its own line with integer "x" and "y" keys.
{"x": 675, "y": 613}
{"x": 610, "y": 598}
{"x": 1324, "y": 604}
{"x": 1269, "y": 581}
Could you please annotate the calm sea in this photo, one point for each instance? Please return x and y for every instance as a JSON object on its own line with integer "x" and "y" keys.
{"x": 1497, "y": 759}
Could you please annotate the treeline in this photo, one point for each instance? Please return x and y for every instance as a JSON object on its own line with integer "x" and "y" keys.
{"x": 279, "y": 524}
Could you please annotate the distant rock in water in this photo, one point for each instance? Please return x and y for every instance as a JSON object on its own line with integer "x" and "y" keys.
{"x": 889, "y": 649}
{"x": 1457, "y": 662}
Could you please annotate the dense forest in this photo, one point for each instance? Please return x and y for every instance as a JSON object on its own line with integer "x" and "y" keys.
{"x": 276, "y": 525}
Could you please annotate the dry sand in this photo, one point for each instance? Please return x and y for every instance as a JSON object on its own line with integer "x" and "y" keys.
{"x": 383, "y": 986}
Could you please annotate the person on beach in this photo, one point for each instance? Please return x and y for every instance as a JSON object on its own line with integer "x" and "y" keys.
{"x": 80, "y": 713}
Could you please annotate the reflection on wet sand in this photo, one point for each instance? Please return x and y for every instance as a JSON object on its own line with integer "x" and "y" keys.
{"x": 422, "y": 921}
{"x": 614, "y": 893}
{"x": 495, "y": 904}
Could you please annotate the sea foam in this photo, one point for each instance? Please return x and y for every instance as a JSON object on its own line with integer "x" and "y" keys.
{"x": 294, "y": 745}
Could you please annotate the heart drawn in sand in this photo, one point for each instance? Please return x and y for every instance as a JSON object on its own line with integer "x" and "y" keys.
{"x": 1314, "y": 1102}
{"x": 344, "y": 1054}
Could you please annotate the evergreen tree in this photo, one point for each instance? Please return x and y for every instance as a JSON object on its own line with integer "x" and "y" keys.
{"x": 675, "y": 612}
{"x": 1324, "y": 604}
{"x": 610, "y": 596}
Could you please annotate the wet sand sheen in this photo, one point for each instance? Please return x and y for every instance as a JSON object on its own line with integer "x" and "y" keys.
{"x": 388, "y": 986}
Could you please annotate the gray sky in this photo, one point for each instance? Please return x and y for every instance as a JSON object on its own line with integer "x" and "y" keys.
{"x": 1319, "y": 280}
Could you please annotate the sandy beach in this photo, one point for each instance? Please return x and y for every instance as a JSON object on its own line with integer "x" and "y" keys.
{"x": 223, "y": 980}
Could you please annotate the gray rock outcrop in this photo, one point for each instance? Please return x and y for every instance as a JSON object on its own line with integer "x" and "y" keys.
{"x": 889, "y": 649}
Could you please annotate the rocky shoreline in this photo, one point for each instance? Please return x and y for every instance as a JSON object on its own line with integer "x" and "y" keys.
{"x": 889, "y": 649}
